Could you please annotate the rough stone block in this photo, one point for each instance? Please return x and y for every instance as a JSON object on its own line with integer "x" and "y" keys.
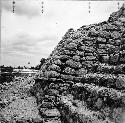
{"x": 51, "y": 113}
{"x": 101, "y": 40}
{"x": 81, "y": 72}
{"x": 115, "y": 35}
{"x": 87, "y": 48}
{"x": 69, "y": 52}
{"x": 57, "y": 62}
{"x": 48, "y": 105}
{"x": 67, "y": 77}
{"x": 105, "y": 58}
{"x": 71, "y": 46}
{"x": 53, "y": 92}
{"x": 102, "y": 51}
{"x": 80, "y": 53}
{"x": 51, "y": 74}
{"x": 54, "y": 67}
{"x": 69, "y": 70}
{"x": 73, "y": 64}
{"x": 76, "y": 58}
{"x": 91, "y": 58}
{"x": 120, "y": 81}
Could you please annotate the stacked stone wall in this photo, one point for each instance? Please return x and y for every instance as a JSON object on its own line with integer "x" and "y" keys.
{"x": 89, "y": 65}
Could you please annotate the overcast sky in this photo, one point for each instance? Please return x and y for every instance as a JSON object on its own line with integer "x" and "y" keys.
{"x": 29, "y": 35}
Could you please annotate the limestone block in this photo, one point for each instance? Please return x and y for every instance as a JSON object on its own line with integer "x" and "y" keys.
{"x": 71, "y": 46}
{"x": 101, "y": 40}
{"x": 113, "y": 49}
{"x": 114, "y": 58}
{"x": 93, "y": 32}
{"x": 122, "y": 60}
{"x": 89, "y": 43}
{"x": 102, "y": 51}
{"x": 73, "y": 64}
{"x": 52, "y": 113}
{"x": 54, "y": 67}
{"x": 83, "y": 59}
{"x": 69, "y": 52}
{"x": 67, "y": 77}
{"x": 81, "y": 72}
{"x": 57, "y": 62}
{"x": 69, "y": 70}
{"x": 87, "y": 48}
{"x": 53, "y": 92}
{"x": 99, "y": 103}
{"x": 105, "y": 58}
{"x": 115, "y": 35}
{"x": 80, "y": 53}
{"x": 104, "y": 34}
{"x": 63, "y": 58}
{"x": 91, "y": 58}
{"x": 47, "y": 105}
{"x": 102, "y": 46}
{"x": 89, "y": 54}
{"x": 120, "y": 81}
{"x": 76, "y": 58}
{"x": 51, "y": 74}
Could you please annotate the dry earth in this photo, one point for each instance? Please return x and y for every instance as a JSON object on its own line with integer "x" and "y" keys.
{"x": 16, "y": 102}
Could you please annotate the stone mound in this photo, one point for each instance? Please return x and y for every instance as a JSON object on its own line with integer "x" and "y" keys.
{"x": 83, "y": 79}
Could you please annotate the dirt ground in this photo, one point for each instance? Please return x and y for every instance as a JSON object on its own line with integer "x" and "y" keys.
{"x": 16, "y": 104}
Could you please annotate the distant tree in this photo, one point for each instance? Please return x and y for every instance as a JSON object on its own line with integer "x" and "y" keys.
{"x": 42, "y": 61}
{"x": 32, "y": 67}
{"x": 37, "y": 67}
{"x": 24, "y": 67}
{"x": 19, "y": 67}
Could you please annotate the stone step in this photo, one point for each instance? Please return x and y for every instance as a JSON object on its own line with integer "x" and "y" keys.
{"x": 49, "y": 97}
{"x": 50, "y": 113}
{"x": 52, "y": 92}
{"x": 47, "y": 105}
{"x": 52, "y": 120}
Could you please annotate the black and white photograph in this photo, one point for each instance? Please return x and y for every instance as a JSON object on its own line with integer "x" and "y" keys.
{"x": 62, "y": 61}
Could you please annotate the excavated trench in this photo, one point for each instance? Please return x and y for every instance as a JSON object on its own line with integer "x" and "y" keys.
{"x": 83, "y": 79}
